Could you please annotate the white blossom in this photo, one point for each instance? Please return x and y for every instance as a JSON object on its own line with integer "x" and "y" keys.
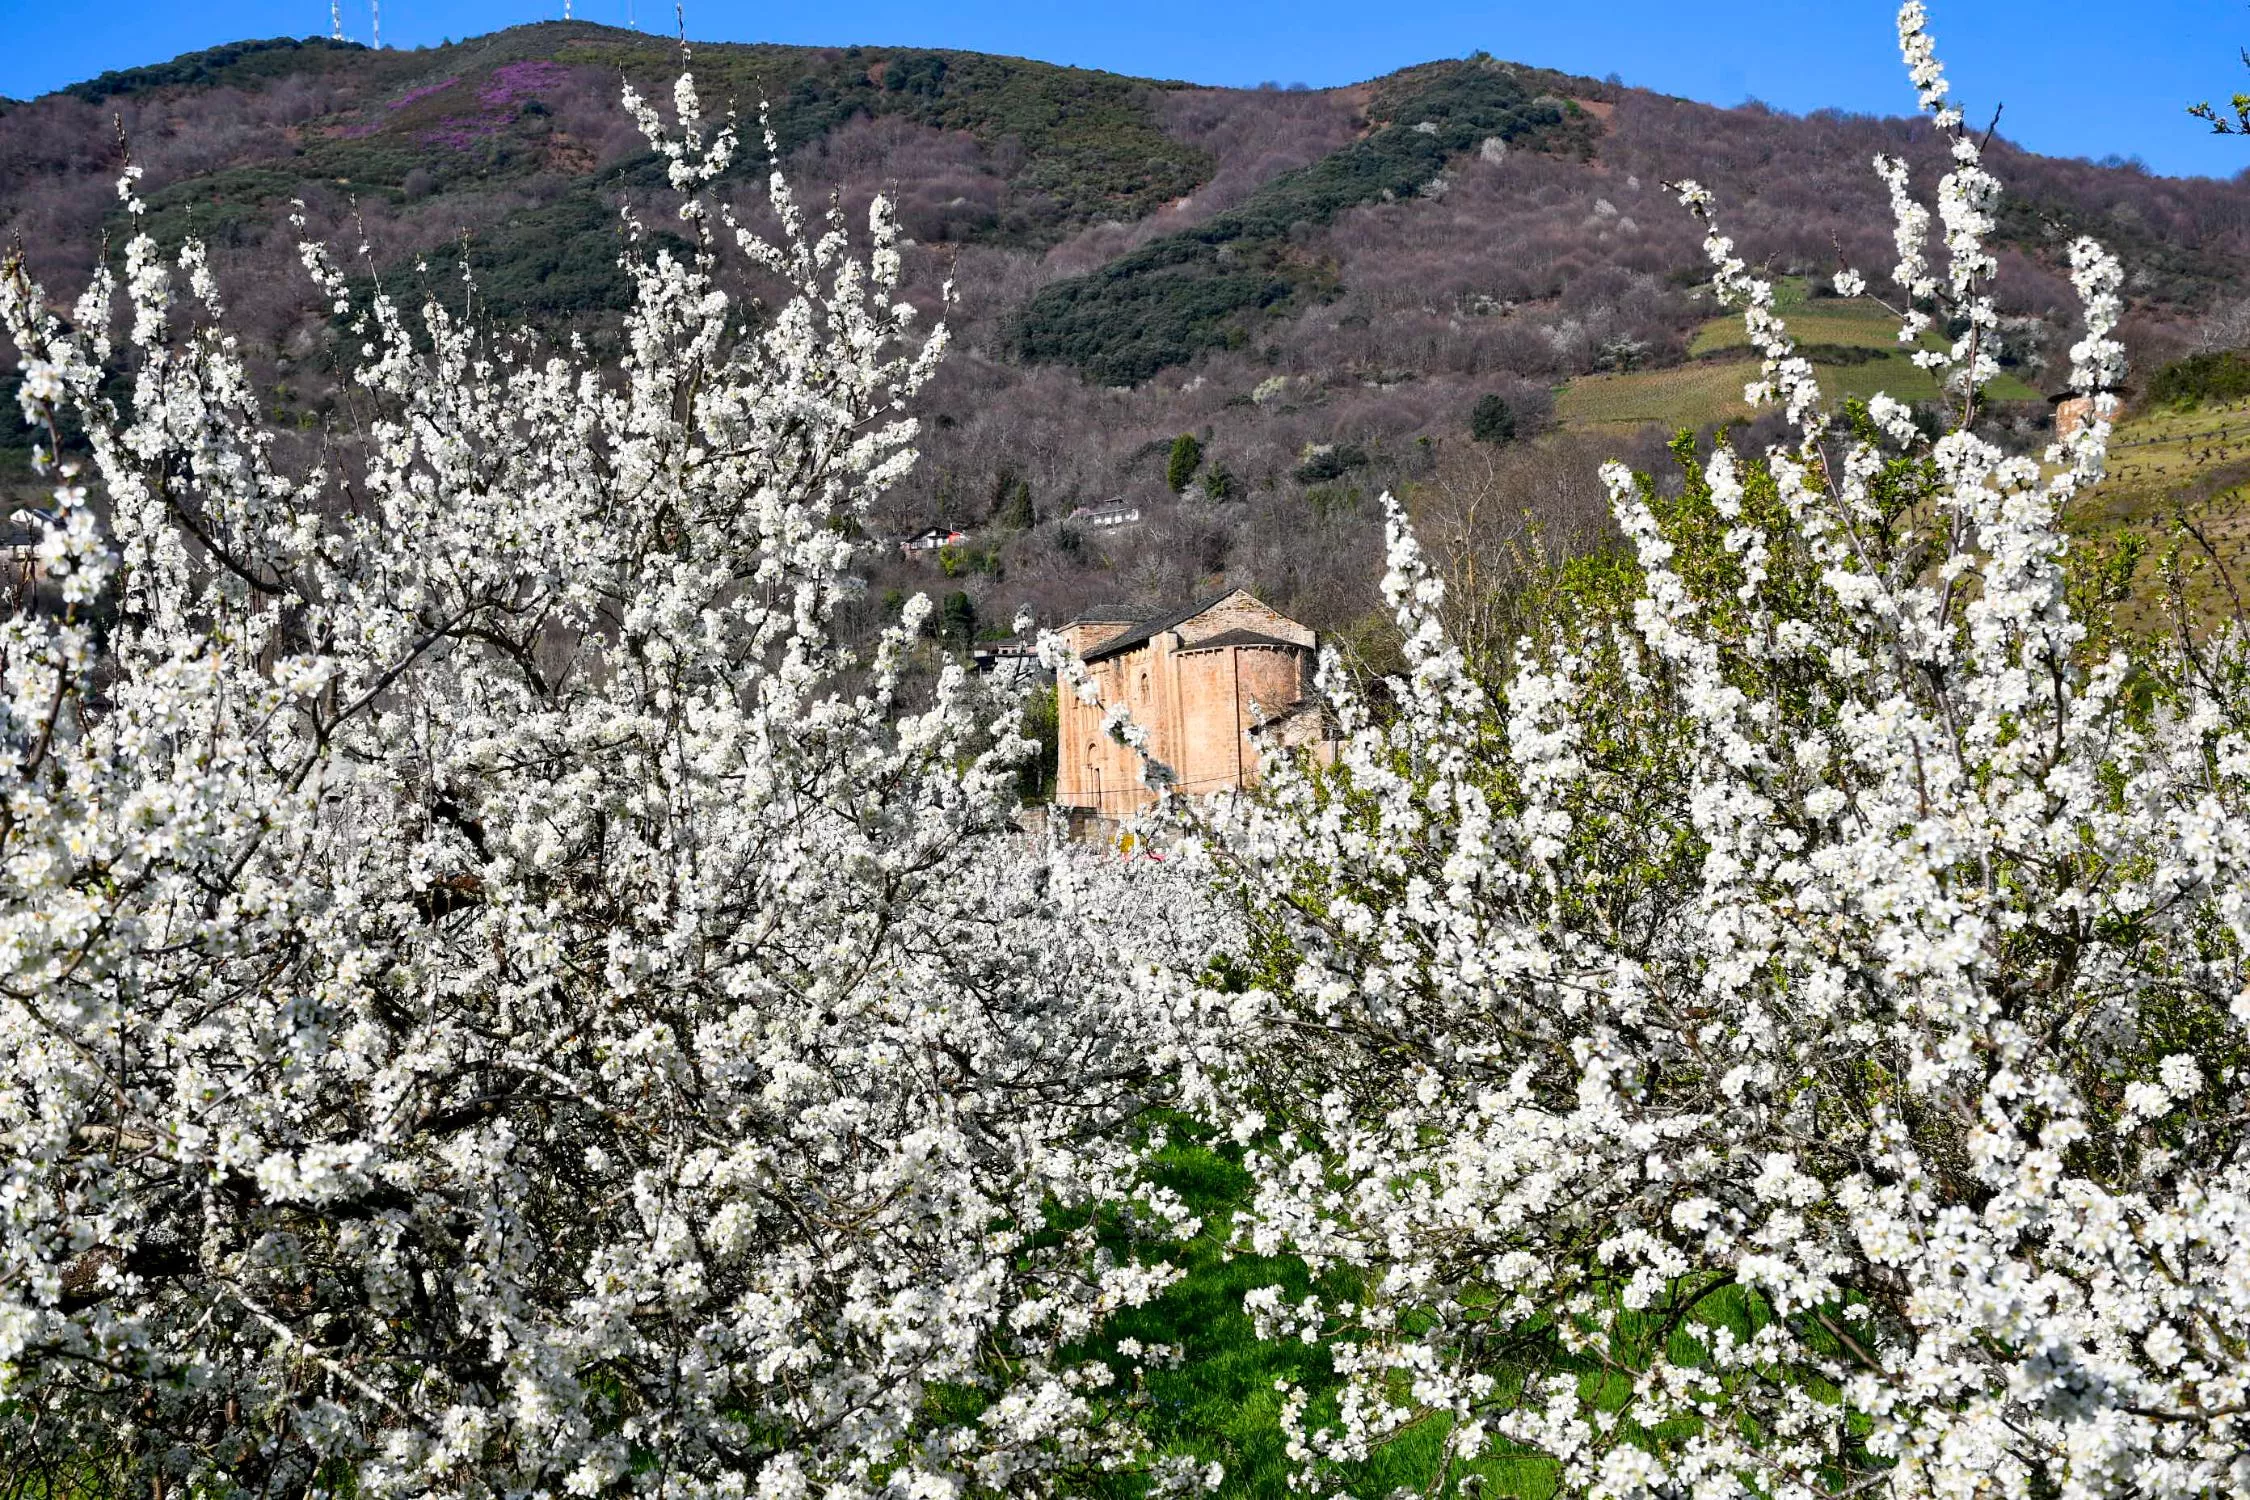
{"x": 499, "y": 996}
{"x": 1777, "y": 1047}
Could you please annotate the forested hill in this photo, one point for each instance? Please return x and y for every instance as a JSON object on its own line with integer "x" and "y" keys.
{"x": 1464, "y": 277}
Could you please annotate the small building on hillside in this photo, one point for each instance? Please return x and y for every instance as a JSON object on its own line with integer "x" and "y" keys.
{"x": 935, "y": 539}
{"x": 1011, "y": 662}
{"x": 1108, "y": 516}
{"x": 1211, "y": 682}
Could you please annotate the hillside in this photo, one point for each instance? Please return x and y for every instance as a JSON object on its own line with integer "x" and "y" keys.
{"x": 1322, "y": 286}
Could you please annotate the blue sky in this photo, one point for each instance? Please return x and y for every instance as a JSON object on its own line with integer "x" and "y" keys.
{"x": 2077, "y": 78}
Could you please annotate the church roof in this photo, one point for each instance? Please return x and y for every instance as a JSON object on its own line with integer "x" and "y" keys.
{"x": 1148, "y": 630}
{"x": 1240, "y": 638}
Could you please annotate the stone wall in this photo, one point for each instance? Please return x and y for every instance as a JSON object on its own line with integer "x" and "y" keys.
{"x": 1198, "y": 705}
{"x": 1238, "y": 611}
{"x": 1221, "y": 693}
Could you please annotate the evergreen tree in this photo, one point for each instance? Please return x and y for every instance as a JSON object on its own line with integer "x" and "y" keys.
{"x": 1011, "y": 501}
{"x": 1187, "y": 457}
{"x": 1492, "y": 421}
{"x": 957, "y": 618}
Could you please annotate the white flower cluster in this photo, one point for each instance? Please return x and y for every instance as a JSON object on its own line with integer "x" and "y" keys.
{"x": 1793, "y": 1043}
{"x": 496, "y": 998}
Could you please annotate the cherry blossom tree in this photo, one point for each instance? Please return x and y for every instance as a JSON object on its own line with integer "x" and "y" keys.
{"x": 1788, "y": 1036}
{"x": 498, "y": 998}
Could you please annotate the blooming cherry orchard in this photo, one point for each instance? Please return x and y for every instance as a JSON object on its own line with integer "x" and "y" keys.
{"x": 496, "y": 998}
{"x": 1789, "y": 1038}
{"x": 501, "y": 996}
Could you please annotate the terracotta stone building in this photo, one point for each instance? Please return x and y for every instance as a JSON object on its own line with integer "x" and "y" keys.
{"x": 1200, "y": 680}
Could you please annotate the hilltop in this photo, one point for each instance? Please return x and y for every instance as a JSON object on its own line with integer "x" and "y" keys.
{"x": 1333, "y": 291}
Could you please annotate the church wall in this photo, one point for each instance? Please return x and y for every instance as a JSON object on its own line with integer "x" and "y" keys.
{"x": 1096, "y": 771}
{"x": 1218, "y": 689}
{"x": 1209, "y": 759}
{"x": 1272, "y": 682}
{"x": 1241, "y": 612}
{"x": 1195, "y": 705}
{"x": 1099, "y": 772}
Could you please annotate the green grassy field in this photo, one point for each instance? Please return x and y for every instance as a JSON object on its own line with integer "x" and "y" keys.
{"x": 2165, "y": 463}
{"x": 1707, "y": 391}
{"x": 1848, "y": 323}
{"x": 1690, "y": 395}
{"x": 1710, "y": 389}
{"x": 1218, "y": 1401}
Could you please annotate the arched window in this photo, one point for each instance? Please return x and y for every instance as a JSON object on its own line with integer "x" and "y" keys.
{"x": 1144, "y": 685}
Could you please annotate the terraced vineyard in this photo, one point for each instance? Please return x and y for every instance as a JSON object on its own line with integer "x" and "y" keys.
{"x": 2179, "y": 481}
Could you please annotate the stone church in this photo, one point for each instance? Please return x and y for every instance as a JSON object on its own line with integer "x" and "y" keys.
{"x": 1210, "y": 682}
